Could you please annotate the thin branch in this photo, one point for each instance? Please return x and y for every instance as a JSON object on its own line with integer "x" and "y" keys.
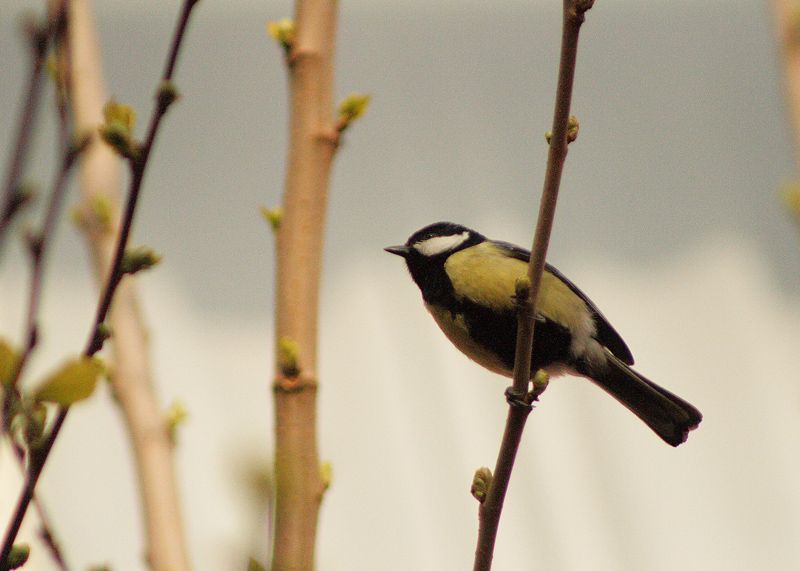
{"x": 95, "y": 342}
{"x": 491, "y": 508}
{"x": 132, "y": 381}
{"x": 38, "y": 38}
{"x": 38, "y": 246}
{"x": 312, "y": 145}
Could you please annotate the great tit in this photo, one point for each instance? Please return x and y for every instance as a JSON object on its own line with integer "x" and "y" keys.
{"x": 468, "y": 285}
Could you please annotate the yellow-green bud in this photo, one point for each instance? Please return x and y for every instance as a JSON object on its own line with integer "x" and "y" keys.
{"x": 18, "y": 556}
{"x": 288, "y": 356}
{"x": 352, "y": 108}
{"x": 326, "y": 474}
{"x": 283, "y": 32}
{"x": 480, "y": 483}
{"x": 176, "y": 416}
{"x": 273, "y": 216}
{"x": 139, "y": 258}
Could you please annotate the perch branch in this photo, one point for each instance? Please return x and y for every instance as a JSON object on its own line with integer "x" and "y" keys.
{"x": 491, "y": 508}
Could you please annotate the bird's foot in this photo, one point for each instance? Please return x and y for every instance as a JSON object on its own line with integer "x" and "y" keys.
{"x": 518, "y": 400}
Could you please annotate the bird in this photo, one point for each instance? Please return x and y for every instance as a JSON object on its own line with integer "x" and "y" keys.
{"x": 468, "y": 284}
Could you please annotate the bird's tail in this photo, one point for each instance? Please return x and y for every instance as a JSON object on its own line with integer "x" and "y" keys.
{"x": 666, "y": 414}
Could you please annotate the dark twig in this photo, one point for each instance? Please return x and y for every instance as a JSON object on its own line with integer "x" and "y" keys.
{"x": 138, "y": 164}
{"x": 38, "y": 38}
{"x": 491, "y": 508}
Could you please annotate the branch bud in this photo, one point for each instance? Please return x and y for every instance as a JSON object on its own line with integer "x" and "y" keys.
{"x": 288, "y": 356}
{"x": 480, "y": 483}
{"x": 117, "y": 130}
{"x": 18, "y": 556}
{"x": 167, "y": 94}
{"x": 326, "y": 474}
{"x": 138, "y": 259}
{"x": 540, "y": 381}
{"x": 283, "y": 32}
{"x": 9, "y": 360}
{"x": 351, "y": 109}
{"x": 273, "y": 216}
{"x": 522, "y": 289}
{"x": 175, "y": 417}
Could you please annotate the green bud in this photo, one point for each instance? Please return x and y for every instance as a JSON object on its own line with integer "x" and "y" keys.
{"x": 572, "y": 128}
{"x": 9, "y": 359}
{"x": 540, "y": 381}
{"x": 326, "y": 474}
{"x": 351, "y": 109}
{"x": 167, "y": 94}
{"x": 139, "y": 258}
{"x": 119, "y": 138}
{"x": 253, "y": 565}
{"x": 288, "y": 356}
{"x": 480, "y": 483}
{"x": 175, "y": 417}
{"x": 18, "y": 556}
{"x": 273, "y": 216}
{"x": 283, "y": 32}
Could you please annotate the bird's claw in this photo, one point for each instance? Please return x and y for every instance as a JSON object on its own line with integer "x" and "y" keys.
{"x": 518, "y": 400}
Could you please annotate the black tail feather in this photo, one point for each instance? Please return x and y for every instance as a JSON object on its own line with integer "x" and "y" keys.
{"x": 668, "y": 415}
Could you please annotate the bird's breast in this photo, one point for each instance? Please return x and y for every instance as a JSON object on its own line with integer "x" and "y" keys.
{"x": 455, "y": 328}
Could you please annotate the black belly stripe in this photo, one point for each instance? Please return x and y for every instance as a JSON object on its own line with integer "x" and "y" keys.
{"x": 498, "y": 333}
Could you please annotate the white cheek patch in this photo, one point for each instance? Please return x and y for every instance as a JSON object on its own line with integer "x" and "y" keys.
{"x": 440, "y": 244}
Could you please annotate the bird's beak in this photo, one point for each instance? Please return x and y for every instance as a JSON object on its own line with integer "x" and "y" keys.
{"x": 401, "y": 251}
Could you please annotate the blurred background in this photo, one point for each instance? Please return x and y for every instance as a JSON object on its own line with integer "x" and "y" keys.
{"x": 670, "y": 218}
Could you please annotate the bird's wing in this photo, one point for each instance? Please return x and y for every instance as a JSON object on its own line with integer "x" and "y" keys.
{"x": 606, "y": 334}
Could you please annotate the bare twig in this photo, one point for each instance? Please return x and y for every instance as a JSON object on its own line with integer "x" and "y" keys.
{"x": 38, "y": 39}
{"x": 132, "y": 382}
{"x": 138, "y": 165}
{"x": 313, "y": 143}
{"x": 491, "y": 508}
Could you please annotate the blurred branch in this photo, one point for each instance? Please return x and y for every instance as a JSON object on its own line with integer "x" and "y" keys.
{"x": 519, "y": 397}
{"x": 787, "y": 28}
{"x": 165, "y": 95}
{"x": 37, "y": 36}
{"x": 309, "y": 45}
{"x": 132, "y": 380}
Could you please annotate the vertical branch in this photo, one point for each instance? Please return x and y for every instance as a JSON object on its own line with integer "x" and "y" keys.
{"x": 312, "y": 145}
{"x": 132, "y": 379}
{"x": 519, "y": 398}
{"x": 787, "y": 28}
{"x": 37, "y": 37}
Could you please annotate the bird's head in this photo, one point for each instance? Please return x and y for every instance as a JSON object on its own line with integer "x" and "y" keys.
{"x": 427, "y": 250}
{"x": 436, "y": 242}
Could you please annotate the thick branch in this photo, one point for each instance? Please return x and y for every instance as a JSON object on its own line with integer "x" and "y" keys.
{"x": 786, "y": 27}
{"x": 299, "y": 486}
{"x": 491, "y": 508}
